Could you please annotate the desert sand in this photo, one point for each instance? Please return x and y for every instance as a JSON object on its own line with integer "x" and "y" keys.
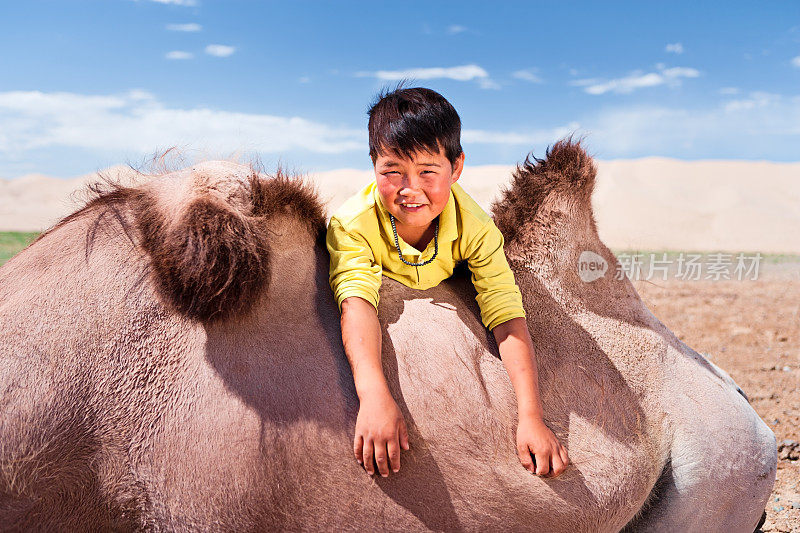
{"x": 646, "y": 204}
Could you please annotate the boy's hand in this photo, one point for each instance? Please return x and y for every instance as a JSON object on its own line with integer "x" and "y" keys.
{"x": 535, "y": 438}
{"x": 380, "y": 430}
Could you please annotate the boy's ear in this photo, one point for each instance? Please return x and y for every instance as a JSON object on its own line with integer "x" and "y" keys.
{"x": 458, "y": 166}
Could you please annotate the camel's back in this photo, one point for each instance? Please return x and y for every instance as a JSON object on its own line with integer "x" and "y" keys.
{"x": 62, "y": 310}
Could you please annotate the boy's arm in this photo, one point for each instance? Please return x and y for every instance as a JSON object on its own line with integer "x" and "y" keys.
{"x": 355, "y": 280}
{"x": 380, "y": 428}
{"x": 500, "y": 301}
{"x": 361, "y": 337}
{"x": 516, "y": 352}
{"x": 533, "y": 435}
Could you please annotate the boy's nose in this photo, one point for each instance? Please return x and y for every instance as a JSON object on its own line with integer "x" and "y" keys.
{"x": 410, "y": 182}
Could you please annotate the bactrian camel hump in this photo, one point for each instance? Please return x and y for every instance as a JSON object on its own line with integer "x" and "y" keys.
{"x": 566, "y": 170}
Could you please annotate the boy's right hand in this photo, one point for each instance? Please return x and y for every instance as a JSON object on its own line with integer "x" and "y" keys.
{"x": 380, "y": 432}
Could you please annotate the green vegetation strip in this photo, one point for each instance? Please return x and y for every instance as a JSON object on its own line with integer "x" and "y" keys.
{"x": 11, "y": 242}
{"x": 674, "y": 254}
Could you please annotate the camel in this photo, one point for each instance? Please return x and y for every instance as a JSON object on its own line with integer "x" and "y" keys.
{"x": 171, "y": 359}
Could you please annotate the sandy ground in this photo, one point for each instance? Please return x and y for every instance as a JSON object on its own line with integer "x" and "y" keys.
{"x": 651, "y": 203}
{"x": 751, "y": 328}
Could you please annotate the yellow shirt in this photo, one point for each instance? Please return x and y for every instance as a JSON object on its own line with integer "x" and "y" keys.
{"x": 361, "y": 245}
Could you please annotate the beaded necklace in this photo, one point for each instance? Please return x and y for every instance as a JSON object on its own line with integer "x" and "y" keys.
{"x": 435, "y": 244}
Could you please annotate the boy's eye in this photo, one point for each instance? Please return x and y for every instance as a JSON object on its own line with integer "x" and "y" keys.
{"x": 393, "y": 172}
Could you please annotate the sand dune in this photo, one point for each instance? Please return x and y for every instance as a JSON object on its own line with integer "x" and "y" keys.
{"x": 650, "y": 203}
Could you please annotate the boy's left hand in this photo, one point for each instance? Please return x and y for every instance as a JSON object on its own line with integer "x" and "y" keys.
{"x": 535, "y": 438}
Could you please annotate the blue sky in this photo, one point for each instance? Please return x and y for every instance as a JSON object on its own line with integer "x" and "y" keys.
{"x": 88, "y": 84}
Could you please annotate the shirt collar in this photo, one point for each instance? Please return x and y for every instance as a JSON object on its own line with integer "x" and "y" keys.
{"x": 448, "y": 228}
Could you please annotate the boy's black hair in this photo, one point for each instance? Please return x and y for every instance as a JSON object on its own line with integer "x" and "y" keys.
{"x": 406, "y": 120}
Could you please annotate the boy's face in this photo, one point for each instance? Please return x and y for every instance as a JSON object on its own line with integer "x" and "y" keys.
{"x": 424, "y": 179}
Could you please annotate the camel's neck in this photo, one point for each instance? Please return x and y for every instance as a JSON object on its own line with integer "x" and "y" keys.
{"x": 560, "y": 251}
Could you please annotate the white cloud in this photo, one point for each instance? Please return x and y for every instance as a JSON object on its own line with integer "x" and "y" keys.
{"x": 756, "y": 125}
{"x": 179, "y": 54}
{"x": 680, "y": 72}
{"x": 765, "y": 125}
{"x": 455, "y": 28}
{"x": 487, "y": 83}
{"x": 796, "y": 61}
{"x": 527, "y": 75}
{"x": 675, "y": 48}
{"x": 187, "y": 3}
{"x": 140, "y": 94}
{"x": 729, "y": 90}
{"x": 188, "y": 27}
{"x": 518, "y": 138}
{"x": 637, "y": 80}
{"x": 622, "y": 85}
{"x": 460, "y": 73}
{"x": 220, "y": 50}
{"x": 757, "y": 99}
{"x": 304, "y": 79}
{"x": 137, "y": 121}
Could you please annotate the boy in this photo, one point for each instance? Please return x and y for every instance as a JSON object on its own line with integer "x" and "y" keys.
{"x": 408, "y": 226}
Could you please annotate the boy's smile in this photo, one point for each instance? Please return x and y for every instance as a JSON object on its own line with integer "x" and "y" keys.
{"x": 415, "y": 191}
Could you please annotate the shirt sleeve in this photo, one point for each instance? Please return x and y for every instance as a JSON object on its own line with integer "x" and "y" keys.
{"x": 353, "y": 271}
{"x": 499, "y": 297}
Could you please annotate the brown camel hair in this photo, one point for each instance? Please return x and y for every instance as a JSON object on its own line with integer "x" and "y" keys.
{"x": 212, "y": 263}
{"x": 566, "y": 168}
